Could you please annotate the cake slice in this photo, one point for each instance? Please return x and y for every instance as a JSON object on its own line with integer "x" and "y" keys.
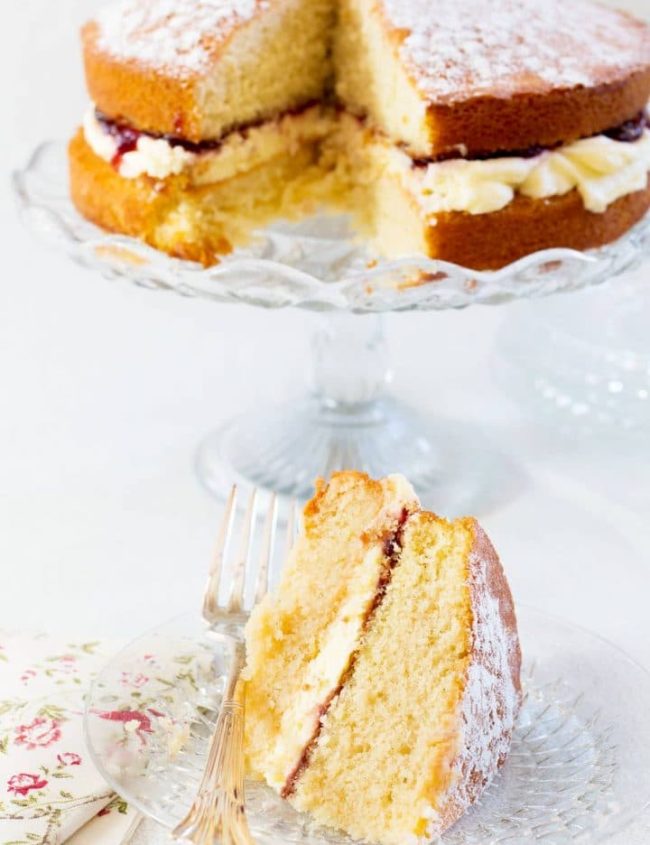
{"x": 383, "y": 675}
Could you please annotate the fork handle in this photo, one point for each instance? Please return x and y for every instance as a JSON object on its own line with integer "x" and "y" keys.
{"x": 218, "y": 811}
{"x": 228, "y": 737}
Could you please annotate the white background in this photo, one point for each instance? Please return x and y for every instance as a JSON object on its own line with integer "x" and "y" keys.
{"x": 106, "y": 389}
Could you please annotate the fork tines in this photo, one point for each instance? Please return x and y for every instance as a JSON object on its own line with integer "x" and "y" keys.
{"x": 240, "y": 533}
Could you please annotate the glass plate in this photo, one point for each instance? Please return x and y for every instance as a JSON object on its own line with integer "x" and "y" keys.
{"x": 314, "y": 264}
{"x": 578, "y": 770}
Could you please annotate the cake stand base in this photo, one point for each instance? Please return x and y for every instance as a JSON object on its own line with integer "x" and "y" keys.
{"x": 453, "y": 467}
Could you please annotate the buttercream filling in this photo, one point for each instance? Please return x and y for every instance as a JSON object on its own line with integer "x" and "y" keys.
{"x": 134, "y": 153}
{"x": 602, "y": 168}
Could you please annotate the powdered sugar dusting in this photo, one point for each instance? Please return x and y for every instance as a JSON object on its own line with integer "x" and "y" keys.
{"x": 492, "y": 694}
{"x": 501, "y": 47}
{"x": 179, "y": 36}
{"x": 451, "y": 46}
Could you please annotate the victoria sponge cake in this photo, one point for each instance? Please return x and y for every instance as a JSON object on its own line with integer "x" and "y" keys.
{"x": 382, "y": 678}
{"x": 446, "y": 130}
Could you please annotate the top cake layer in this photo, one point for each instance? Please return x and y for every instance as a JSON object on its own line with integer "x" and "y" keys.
{"x": 469, "y": 77}
{"x": 437, "y": 76}
{"x": 196, "y": 69}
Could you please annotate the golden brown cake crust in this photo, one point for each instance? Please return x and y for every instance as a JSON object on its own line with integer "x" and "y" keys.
{"x": 134, "y": 206}
{"x": 149, "y": 99}
{"x": 522, "y": 74}
{"x": 145, "y": 60}
{"x": 486, "y": 124}
{"x": 492, "y": 241}
{"x": 176, "y": 68}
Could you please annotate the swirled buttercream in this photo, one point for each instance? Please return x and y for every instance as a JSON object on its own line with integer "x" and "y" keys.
{"x": 601, "y": 169}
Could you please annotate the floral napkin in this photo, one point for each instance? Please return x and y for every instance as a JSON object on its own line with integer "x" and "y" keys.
{"x": 50, "y": 791}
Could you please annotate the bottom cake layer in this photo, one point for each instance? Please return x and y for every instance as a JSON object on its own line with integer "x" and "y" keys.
{"x": 492, "y": 241}
{"x": 202, "y": 220}
{"x": 198, "y": 222}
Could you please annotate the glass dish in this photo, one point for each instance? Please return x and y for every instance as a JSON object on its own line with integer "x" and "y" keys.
{"x": 347, "y": 420}
{"x": 577, "y": 771}
{"x": 583, "y": 364}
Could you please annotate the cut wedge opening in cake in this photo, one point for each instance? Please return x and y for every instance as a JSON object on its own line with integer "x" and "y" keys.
{"x": 383, "y": 674}
{"x": 445, "y": 132}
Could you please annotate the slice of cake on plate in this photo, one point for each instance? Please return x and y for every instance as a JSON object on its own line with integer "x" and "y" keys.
{"x": 472, "y": 137}
{"x": 383, "y": 674}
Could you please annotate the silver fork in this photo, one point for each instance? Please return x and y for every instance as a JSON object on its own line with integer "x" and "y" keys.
{"x": 218, "y": 814}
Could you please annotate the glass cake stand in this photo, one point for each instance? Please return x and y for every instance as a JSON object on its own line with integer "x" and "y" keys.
{"x": 349, "y": 420}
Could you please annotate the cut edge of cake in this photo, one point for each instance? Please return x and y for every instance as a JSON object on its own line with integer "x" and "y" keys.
{"x": 336, "y": 569}
{"x": 448, "y": 753}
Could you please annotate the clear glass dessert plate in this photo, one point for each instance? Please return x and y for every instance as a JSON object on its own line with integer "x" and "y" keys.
{"x": 346, "y": 420}
{"x": 577, "y": 772}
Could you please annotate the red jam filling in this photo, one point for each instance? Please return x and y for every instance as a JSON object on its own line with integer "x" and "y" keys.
{"x": 628, "y": 132}
{"x": 126, "y": 138}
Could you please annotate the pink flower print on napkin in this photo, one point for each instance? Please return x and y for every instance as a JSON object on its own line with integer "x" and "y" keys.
{"x": 23, "y": 783}
{"x": 69, "y": 758}
{"x": 41, "y": 733}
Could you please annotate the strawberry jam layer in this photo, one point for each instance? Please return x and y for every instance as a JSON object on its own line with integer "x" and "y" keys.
{"x": 126, "y": 137}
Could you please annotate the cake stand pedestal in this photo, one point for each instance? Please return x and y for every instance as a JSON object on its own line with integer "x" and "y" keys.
{"x": 348, "y": 421}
